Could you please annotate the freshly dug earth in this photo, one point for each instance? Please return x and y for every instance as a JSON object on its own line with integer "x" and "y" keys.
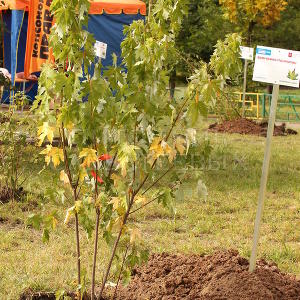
{"x": 223, "y": 275}
{"x": 247, "y": 126}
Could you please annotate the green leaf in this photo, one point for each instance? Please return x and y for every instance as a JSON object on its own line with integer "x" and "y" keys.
{"x": 46, "y": 235}
{"x": 35, "y": 220}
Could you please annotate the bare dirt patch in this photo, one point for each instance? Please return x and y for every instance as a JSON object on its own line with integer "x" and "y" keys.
{"x": 247, "y": 126}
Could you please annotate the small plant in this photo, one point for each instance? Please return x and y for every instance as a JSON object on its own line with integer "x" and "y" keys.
{"x": 226, "y": 65}
{"x": 14, "y": 156}
{"x": 117, "y": 147}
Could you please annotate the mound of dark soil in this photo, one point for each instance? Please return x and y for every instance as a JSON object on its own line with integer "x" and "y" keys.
{"x": 223, "y": 275}
{"x": 247, "y": 126}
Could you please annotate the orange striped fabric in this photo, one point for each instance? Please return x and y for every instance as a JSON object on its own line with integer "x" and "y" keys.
{"x": 116, "y": 7}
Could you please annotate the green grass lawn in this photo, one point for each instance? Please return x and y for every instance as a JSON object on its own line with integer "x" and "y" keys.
{"x": 224, "y": 221}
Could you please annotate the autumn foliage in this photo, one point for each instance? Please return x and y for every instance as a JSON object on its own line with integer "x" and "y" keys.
{"x": 264, "y": 12}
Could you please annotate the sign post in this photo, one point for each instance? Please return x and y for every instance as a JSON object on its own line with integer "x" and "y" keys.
{"x": 279, "y": 67}
{"x": 246, "y": 54}
{"x": 264, "y": 176}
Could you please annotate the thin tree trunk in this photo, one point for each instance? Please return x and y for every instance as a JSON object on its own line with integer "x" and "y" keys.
{"x": 172, "y": 84}
{"x": 114, "y": 250}
{"x": 95, "y": 255}
{"x": 75, "y": 196}
{"x": 120, "y": 274}
{"x": 78, "y": 249}
{"x": 250, "y": 32}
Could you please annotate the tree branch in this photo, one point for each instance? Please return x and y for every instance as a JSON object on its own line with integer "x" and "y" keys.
{"x": 157, "y": 180}
{"x": 122, "y": 267}
{"x": 115, "y": 247}
{"x": 134, "y": 166}
{"x": 149, "y": 202}
{"x": 167, "y": 137}
{"x": 112, "y": 164}
{"x": 144, "y": 205}
{"x": 63, "y": 140}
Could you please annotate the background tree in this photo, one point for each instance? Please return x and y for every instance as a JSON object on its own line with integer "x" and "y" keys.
{"x": 246, "y": 14}
{"x": 284, "y": 33}
{"x": 202, "y": 28}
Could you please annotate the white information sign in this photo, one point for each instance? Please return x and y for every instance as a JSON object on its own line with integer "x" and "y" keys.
{"x": 247, "y": 53}
{"x": 100, "y": 49}
{"x": 277, "y": 66}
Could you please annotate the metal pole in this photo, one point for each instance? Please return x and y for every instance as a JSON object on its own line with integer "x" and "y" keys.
{"x": 264, "y": 176}
{"x": 244, "y": 87}
{"x": 23, "y": 96}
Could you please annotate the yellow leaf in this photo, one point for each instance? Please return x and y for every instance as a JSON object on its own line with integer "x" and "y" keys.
{"x": 169, "y": 151}
{"x": 116, "y": 179}
{"x": 115, "y": 201}
{"x": 78, "y": 205}
{"x": 135, "y": 235}
{"x": 89, "y": 156}
{"x": 180, "y": 144}
{"x": 54, "y": 222}
{"x": 98, "y": 203}
{"x": 157, "y": 147}
{"x": 53, "y": 153}
{"x": 119, "y": 204}
{"x": 69, "y": 213}
{"x": 64, "y": 177}
{"x": 69, "y": 126}
{"x": 126, "y": 155}
{"x": 140, "y": 200}
{"x": 155, "y": 151}
{"x": 57, "y": 156}
{"x": 123, "y": 169}
{"x": 118, "y": 223}
{"x": 45, "y": 131}
{"x": 82, "y": 174}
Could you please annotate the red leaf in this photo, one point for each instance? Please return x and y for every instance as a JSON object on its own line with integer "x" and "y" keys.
{"x": 99, "y": 179}
{"x": 105, "y": 157}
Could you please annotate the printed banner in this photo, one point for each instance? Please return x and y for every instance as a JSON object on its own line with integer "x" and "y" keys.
{"x": 100, "y": 49}
{"x": 247, "y": 53}
{"x": 277, "y": 66}
{"x": 39, "y": 25}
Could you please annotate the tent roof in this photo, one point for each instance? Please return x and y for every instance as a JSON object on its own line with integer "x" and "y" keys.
{"x": 115, "y": 7}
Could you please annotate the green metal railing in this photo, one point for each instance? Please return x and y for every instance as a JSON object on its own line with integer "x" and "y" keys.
{"x": 258, "y": 106}
{"x": 288, "y": 108}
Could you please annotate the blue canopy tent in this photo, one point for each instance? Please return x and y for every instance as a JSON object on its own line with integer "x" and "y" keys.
{"x": 106, "y": 21}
